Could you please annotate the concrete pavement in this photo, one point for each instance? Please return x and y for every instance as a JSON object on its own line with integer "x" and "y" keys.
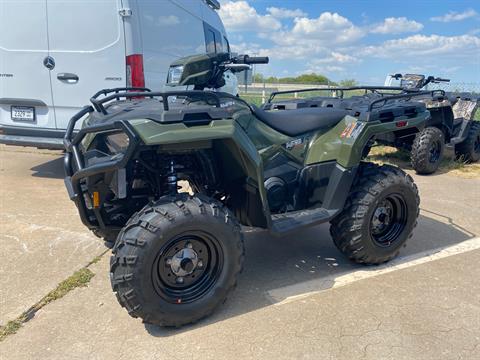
{"x": 427, "y": 311}
{"x": 42, "y": 239}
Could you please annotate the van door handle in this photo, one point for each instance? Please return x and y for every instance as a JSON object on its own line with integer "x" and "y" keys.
{"x": 68, "y": 77}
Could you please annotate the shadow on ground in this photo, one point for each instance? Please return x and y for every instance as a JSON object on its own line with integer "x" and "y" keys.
{"x": 273, "y": 263}
{"x": 52, "y": 169}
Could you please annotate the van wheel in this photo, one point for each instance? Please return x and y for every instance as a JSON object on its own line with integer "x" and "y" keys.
{"x": 177, "y": 260}
{"x": 427, "y": 150}
{"x": 379, "y": 216}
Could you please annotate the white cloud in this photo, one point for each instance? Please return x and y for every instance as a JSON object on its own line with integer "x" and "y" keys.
{"x": 337, "y": 58}
{"x": 322, "y": 37}
{"x": 328, "y": 27}
{"x": 455, "y": 16}
{"x": 423, "y": 48}
{"x": 398, "y": 25}
{"x": 240, "y": 16}
{"x": 283, "y": 13}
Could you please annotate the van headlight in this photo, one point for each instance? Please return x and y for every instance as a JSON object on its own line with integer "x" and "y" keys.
{"x": 174, "y": 75}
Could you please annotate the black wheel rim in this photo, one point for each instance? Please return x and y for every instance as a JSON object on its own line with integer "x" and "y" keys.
{"x": 389, "y": 220}
{"x": 187, "y": 267}
{"x": 435, "y": 151}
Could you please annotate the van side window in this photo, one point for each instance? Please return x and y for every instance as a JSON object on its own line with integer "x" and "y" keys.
{"x": 210, "y": 41}
{"x": 227, "y": 44}
{"x": 213, "y": 39}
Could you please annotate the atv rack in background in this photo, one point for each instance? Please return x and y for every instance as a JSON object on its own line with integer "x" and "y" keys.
{"x": 374, "y": 104}
{"x": 372, "y": 89}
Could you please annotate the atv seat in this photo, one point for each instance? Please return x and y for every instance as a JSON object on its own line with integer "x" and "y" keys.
{"x": 300, "y": 121}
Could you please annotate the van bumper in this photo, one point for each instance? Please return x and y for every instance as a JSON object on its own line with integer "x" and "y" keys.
{"x": 50, "y": 139}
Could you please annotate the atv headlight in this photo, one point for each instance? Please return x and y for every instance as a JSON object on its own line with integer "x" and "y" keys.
{"x": 117, "y": 142}
{"x": 107, "y": 143}
{"x": 174, "y": 75}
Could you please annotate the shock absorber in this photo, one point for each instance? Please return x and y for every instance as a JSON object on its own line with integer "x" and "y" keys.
{"x": 172, "y": 179}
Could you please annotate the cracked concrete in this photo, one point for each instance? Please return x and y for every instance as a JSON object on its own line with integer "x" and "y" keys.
{"x": 427, "y": 311}
{"x": 410, "y": 318}
{"x": 42, "y": 239}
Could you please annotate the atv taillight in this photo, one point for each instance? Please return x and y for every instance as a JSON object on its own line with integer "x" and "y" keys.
{"x": 135, "y": 75}
{"x": 402, "y": 123}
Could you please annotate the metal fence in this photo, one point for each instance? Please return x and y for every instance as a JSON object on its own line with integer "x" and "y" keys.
{"x": 259, "y": 93}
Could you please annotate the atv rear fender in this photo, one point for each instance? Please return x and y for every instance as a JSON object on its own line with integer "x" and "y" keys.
{"x": 349, "y": 140}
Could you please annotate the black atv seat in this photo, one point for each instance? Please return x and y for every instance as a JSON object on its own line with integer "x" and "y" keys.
{"x": 300, "y": 121}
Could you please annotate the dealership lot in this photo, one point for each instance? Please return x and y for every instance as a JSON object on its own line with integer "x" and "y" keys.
{"x": 297, "y": 297}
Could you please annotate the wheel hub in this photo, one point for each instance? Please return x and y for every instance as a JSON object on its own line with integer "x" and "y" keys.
{"x": 435, "y": 152}
{"x": 184, "y": 262}
{"x": 381, "y": 218}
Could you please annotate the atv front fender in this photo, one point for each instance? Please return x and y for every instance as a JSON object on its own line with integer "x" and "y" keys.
{"x": 241, "y": 163}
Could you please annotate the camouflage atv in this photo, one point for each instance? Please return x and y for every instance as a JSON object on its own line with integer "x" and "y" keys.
{"x": 178, "y": 255}
{"x": 451, "y": 122}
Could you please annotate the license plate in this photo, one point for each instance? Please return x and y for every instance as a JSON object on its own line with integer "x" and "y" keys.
{"x": 23, "y": 113}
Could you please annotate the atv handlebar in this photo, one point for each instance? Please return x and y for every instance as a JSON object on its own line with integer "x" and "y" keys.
{"x": 250, "y": 60}
{"x": 441, "y": 80}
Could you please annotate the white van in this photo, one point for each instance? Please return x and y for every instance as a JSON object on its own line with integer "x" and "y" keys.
{"x": 54, "y": 54}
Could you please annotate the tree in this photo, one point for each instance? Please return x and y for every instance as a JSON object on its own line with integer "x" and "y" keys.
{"x": 348, "y": 83}
{"x": 313, "y": 79}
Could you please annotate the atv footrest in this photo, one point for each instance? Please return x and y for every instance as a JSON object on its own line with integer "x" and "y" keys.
{"x": 284, "y": 223}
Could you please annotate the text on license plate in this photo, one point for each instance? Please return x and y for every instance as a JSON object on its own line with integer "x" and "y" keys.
{"x": 23, "y": 113}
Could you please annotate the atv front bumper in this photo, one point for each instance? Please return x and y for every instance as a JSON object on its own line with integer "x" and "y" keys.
{"x": 77, "y": 167}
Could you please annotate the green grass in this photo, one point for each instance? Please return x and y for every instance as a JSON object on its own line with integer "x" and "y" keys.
{"x": 401, "y": 158}
{"x": 79, "y": 278}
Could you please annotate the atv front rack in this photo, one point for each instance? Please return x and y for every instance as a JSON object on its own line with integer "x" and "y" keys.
{"x": 440, "y": 94}
{"x": 140, "y": 93}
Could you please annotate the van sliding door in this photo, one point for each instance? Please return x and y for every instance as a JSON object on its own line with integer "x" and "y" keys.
{"x": 88, "y": 44}
{"x": 24, "y": 71}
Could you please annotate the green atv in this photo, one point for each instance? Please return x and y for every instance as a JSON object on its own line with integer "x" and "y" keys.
{"x": 451, "y": 122}
{"x": 178, "y": 254}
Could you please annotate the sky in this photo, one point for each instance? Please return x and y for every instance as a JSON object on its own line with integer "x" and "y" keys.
{"x": 358, "y": 39}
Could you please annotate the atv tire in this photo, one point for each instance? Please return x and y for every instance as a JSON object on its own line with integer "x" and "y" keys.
{"x": 177, "y": 260}
{"x": 469, "y": 149}
{"x": 379, "y": 216}
{"x": 427, "y": 150}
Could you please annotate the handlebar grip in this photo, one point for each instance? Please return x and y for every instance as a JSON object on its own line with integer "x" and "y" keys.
{"x": 256, "y": 60}
{"x": 442, "y": 80}
{"x": 245, "y": 59}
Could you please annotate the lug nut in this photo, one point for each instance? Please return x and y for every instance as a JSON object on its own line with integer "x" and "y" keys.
{"x": 169, "y": 261}
{"x": 200, "y": 264}
{"x": 189, "y": 245}
{"x": 180, "y": 280}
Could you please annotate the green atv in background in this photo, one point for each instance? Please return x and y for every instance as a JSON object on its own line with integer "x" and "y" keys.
{"x": 451, "y": 121}
{"x": 451, "y": 124}
{"x": 177, "y": 255}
